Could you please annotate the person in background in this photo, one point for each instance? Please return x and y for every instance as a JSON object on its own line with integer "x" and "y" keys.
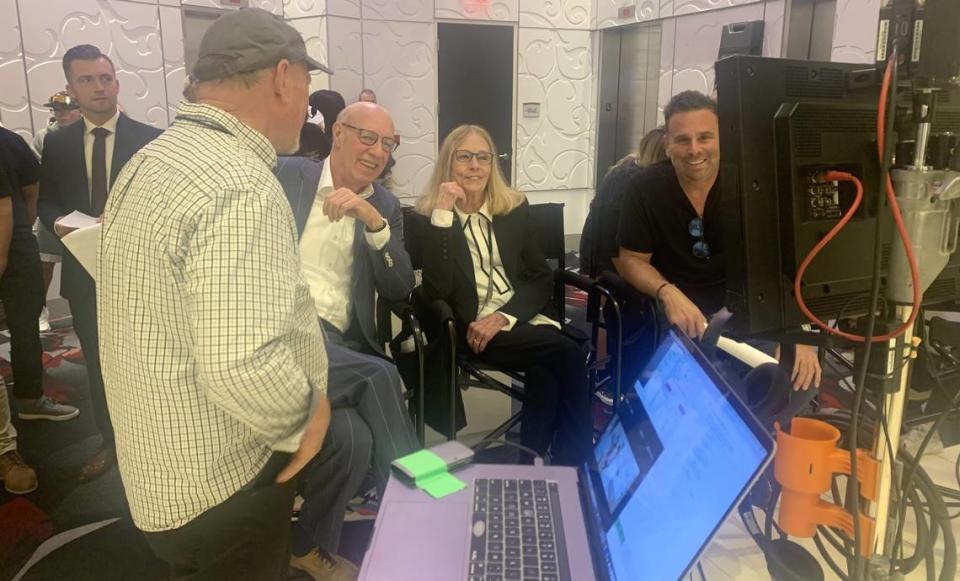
{"x": 599, "y": 249}
{"x": 223, "y": 375}
{"x": 17, "y": 476}
{"x": 367, "y": 95}
{"x": 325, "y": 108}
{"x": 79, "y": 164}
{"x": 21, "y": 279}
{"x": 598, "y": 243}
{"x": 670, "y": 227}
{"x": 65, "y": 112}
{"x": 352, "y": 250}
{"x": 479, "y": 253}
{"x": 21, "y": 284}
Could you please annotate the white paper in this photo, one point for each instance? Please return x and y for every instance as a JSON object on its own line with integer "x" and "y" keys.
{"x": 77, "y": 220}
{"x": 84, "y": 244}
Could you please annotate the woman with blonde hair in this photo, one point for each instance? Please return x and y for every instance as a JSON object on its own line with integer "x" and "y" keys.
{"x": 478, "y": 251}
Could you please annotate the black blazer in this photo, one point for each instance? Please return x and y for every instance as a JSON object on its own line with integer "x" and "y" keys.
{"x": 448, "y": 269}
{"x": 386, "y": 271}
{"x": 63, "y": 184}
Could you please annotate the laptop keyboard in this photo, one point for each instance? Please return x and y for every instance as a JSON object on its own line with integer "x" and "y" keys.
{"x": 517, "y": 532}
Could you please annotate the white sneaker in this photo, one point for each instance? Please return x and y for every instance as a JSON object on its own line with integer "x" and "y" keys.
{"x": 44, "y": 320}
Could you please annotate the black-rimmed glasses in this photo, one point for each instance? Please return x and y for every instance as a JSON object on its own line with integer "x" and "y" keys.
{"x": 367, "y": 137}
{"x": 700, "y": 248}
{"x": 463, "y": 156}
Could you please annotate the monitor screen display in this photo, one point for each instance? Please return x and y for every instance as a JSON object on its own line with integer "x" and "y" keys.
{"x": 693, "y": 455}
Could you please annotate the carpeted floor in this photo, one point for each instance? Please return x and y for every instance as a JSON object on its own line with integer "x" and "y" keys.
{"x": 62, "y": 509}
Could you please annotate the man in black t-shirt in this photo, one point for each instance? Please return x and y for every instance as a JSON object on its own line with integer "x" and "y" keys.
{"x": 21, "y": 281}
{"x": 670, "y": 231}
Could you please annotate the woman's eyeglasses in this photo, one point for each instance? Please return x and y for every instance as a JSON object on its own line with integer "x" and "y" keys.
{"x": 463, "y": 156}
{"x": 700, "y": 248}
{"x": 367, "y": 137}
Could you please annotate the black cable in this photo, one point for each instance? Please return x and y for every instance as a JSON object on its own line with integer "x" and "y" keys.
{"x": 826, "y": 557}
{"x": 904, "y": 361}
{"x": 926, "y": 536}
{"x": 938, "y": 514}
{"x": 853, "y": 491}
{"x": 908, "y": 480}
{"x": 484, "y": 444}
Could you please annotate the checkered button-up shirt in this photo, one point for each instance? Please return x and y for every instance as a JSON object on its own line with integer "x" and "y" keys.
{"x": 211, "y": 351}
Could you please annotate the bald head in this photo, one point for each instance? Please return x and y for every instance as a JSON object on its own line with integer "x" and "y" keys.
{"x": 361, "y": 111}
{"x": 358, "y": 155}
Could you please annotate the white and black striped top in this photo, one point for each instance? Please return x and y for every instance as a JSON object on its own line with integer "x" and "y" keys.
{"x": 210, "y": 346}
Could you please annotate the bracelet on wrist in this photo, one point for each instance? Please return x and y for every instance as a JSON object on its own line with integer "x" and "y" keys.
{"x": 660, "y": 288}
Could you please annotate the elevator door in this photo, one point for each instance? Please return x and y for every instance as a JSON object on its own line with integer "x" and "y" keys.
{"x": 629, "y": 87}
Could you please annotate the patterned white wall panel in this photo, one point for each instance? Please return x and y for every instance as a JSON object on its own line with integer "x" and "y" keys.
{"x": 14, "y": 103}
{"x": 406, "y": 10}
{"x": 169, "y": 3}
{"x": 314, "y": 33}
{"x": 504, "y": 10}
{"x": 697, "y": 44}
{"x": 400, "y": 65}
{"x": 773, "y": 15}
{"x": 346, "y": 56}
{"x": 555, "y": 14}
{"x": 855, "y": 31}
{"x": 668, "y": 40}
{"x": 174, "y": 70}
{"x": 666, "y": 8}
{"x": 275, "y": 6}
{"x": 350, "y": 8}
{"x": 681, "y": 7}
{"x": 607, "y": 12}
{"x": 129, "y": 33}
{"x": 303, "y": 8}
{"x": 555, "y": 70}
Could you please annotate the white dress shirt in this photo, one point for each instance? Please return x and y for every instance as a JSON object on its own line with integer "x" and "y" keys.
{"x": 88, "y": 138}
{"x": 326, "y": 250}
{"x": 487, "y": 265}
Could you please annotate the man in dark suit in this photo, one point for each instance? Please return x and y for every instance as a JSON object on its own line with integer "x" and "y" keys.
{"x": 79, "y": 165}
{"x": 351, "y": 248}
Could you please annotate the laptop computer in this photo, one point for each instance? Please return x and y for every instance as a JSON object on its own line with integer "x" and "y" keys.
{"x": 677, "y": 457}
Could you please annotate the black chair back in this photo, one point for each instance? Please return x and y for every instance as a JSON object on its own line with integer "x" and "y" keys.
{"x": 547, "y": 220}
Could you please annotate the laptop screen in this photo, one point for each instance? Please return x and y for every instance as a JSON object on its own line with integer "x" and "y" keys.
{"x": 672, "y": 464}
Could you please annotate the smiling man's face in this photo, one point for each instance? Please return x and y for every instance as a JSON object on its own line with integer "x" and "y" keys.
{"x": 693, "y": 144}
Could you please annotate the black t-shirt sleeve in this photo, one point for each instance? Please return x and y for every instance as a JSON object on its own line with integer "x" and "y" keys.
{"x": 19, "y": 162}
{"x": 636, "y": 226}
{"x": 6, "y": 186}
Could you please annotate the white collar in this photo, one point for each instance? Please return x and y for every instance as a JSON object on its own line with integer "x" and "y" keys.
{"x": 110, "y": 124}
{"x": 483, "y": 211}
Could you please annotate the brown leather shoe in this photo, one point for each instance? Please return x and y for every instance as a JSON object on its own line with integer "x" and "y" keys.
{"x": 102, "y": 460}
{"x": 18, "y": 478}
{"x": 323, "y": 566}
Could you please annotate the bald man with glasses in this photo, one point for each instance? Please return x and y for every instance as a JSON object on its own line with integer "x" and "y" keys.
{"x": 351, "y": 249}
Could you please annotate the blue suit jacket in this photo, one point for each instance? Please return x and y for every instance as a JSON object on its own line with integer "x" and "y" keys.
{"x": 387, "y": 271}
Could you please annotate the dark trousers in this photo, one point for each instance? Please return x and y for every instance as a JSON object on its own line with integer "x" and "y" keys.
{"x": 245, "y": 537}
{"x": 84, "y": 311}
{"x": 369, "y": 429}
{"x": 330, "y": 480}
{"x": 557, "y": 408}
{"x": 21, "y": 290}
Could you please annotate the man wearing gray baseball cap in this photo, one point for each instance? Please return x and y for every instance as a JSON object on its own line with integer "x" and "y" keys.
{"x": 213, "y": 359}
